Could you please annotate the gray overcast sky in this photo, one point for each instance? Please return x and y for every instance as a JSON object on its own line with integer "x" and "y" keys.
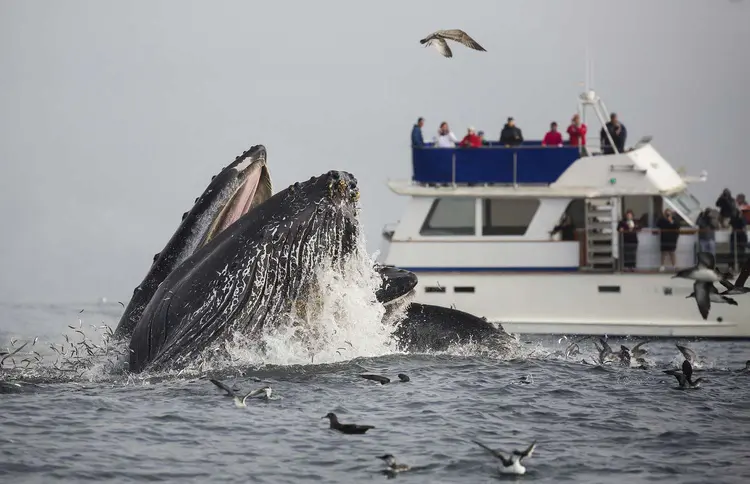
{"x": 115, "y": 115}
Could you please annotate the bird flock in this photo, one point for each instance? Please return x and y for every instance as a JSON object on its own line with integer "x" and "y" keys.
{"x": 512, "y": 464}
{"x": 705, "y": 275}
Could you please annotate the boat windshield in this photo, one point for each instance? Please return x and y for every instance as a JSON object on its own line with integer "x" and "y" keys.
{"x": 685, "y": 204}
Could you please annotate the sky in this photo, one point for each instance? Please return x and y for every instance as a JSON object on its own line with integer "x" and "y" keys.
{"x": 115, "y": 115}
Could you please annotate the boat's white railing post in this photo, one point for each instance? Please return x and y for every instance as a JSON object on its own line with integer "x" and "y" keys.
{"x": 515, "y": 169}
{"x": 454, "y": 169}
{"x": 604, "y": 125}
{"x": 590, "y": 98}
{"x": 614, "y": 214}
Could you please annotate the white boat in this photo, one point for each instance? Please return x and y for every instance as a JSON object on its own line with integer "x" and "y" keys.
{"x": 476, "y": 232}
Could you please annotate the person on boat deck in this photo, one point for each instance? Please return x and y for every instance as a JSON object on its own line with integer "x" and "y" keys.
{"x": 727, "y": 206}
{"x": 577, "y": 131}
{"x": 738, "y": 239}
{"x": 445, "y": 137}
{"x": 511, "y": 134}
{"x": 481, "y": 138}
{"x": 708, "y": 224}
{"x": 743, "y": 206}
{"x": 416, "y": 134}
{"x": 668, "y": 234}
{"x": 566, "y": 228}
{"x": 553, "y": 136}
{"x": 618, "y": 132}
{"x": 629, "y": 229}
{"x": 471, "y": 140}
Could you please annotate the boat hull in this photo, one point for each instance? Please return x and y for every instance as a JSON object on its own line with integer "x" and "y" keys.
{"x": 582, "y": 303}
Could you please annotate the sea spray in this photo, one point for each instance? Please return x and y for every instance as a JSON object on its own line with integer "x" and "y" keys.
{"x": 341, "y": 320}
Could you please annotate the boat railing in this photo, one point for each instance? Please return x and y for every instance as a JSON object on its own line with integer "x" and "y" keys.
{"x": 730, "y": 248}
{"x": 527, "y": 164}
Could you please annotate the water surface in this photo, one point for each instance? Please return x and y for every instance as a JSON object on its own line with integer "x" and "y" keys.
{"x": 592, "y": 424}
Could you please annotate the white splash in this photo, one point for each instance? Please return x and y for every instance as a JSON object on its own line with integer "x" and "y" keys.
{"x": 343, "y": 322}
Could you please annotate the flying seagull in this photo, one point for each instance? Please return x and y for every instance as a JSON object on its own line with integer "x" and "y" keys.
{"x": 438, "y": 40}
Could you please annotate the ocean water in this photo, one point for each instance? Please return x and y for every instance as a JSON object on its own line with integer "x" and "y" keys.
{"x": 592, "y": 424}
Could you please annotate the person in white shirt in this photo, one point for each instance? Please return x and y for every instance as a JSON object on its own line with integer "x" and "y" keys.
{"x": 445, "y": 137}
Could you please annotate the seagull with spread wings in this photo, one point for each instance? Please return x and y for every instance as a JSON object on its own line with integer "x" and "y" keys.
{"x": 439, "y": 41}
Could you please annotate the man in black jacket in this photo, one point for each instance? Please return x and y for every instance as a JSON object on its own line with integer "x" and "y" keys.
{"x": 511, "y": 134}
{"x": 727, "y": 205}
{"x": 618, "y": 132}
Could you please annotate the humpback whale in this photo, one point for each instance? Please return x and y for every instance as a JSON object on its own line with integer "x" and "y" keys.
{"x": 242, "y": 259}
{"x": 426, "y": 327}
{"x": 249, "y": 275}
{"x": 238, "y": 188}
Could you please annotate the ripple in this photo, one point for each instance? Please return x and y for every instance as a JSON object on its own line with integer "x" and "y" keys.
{"x": 592, "y": 424}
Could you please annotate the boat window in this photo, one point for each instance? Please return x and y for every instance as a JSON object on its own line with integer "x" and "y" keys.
{"x": 450, "y": 216}
{"x": 508, "y": 216}
{"x": 685, "y": 204}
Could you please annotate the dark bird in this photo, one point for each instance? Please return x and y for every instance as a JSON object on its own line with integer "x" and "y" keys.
{"x": 605, "y": 351}
{"x": 624, "y": 355}
{"x": 739, "y": 284}
{"x": 746, "y": 369}
{"x": 346, "y": 428}
{"x": 705, "y": 293}
{"x": 511, "y": 464}
{"x": 402, "y": 378}
{"x": 704, "y": 271}
{"x": 685, "y": 377}
{"x": 438, "y": 40}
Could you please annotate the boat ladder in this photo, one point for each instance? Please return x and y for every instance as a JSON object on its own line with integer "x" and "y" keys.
{"x": 600, "y": 232}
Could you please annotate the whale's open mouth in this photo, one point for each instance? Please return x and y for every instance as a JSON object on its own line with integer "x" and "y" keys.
{"x": 255, "y": 190}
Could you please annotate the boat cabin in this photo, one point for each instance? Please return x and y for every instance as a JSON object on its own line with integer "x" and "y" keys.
{"x": 492, "y": 208}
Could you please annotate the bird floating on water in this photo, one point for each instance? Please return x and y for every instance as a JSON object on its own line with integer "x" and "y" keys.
{"x": 346, "y": 428}
{"x": 439, "y": 41}
{"x": 512, "y": 464}
{"x": 393, "y": 466}
{"x": 402, "y": 378}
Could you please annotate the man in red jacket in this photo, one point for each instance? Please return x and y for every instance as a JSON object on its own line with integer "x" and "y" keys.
{"x": 471, "y": 140}
{"x": 577, "y": 132}
{"x": 553, "y": 136}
